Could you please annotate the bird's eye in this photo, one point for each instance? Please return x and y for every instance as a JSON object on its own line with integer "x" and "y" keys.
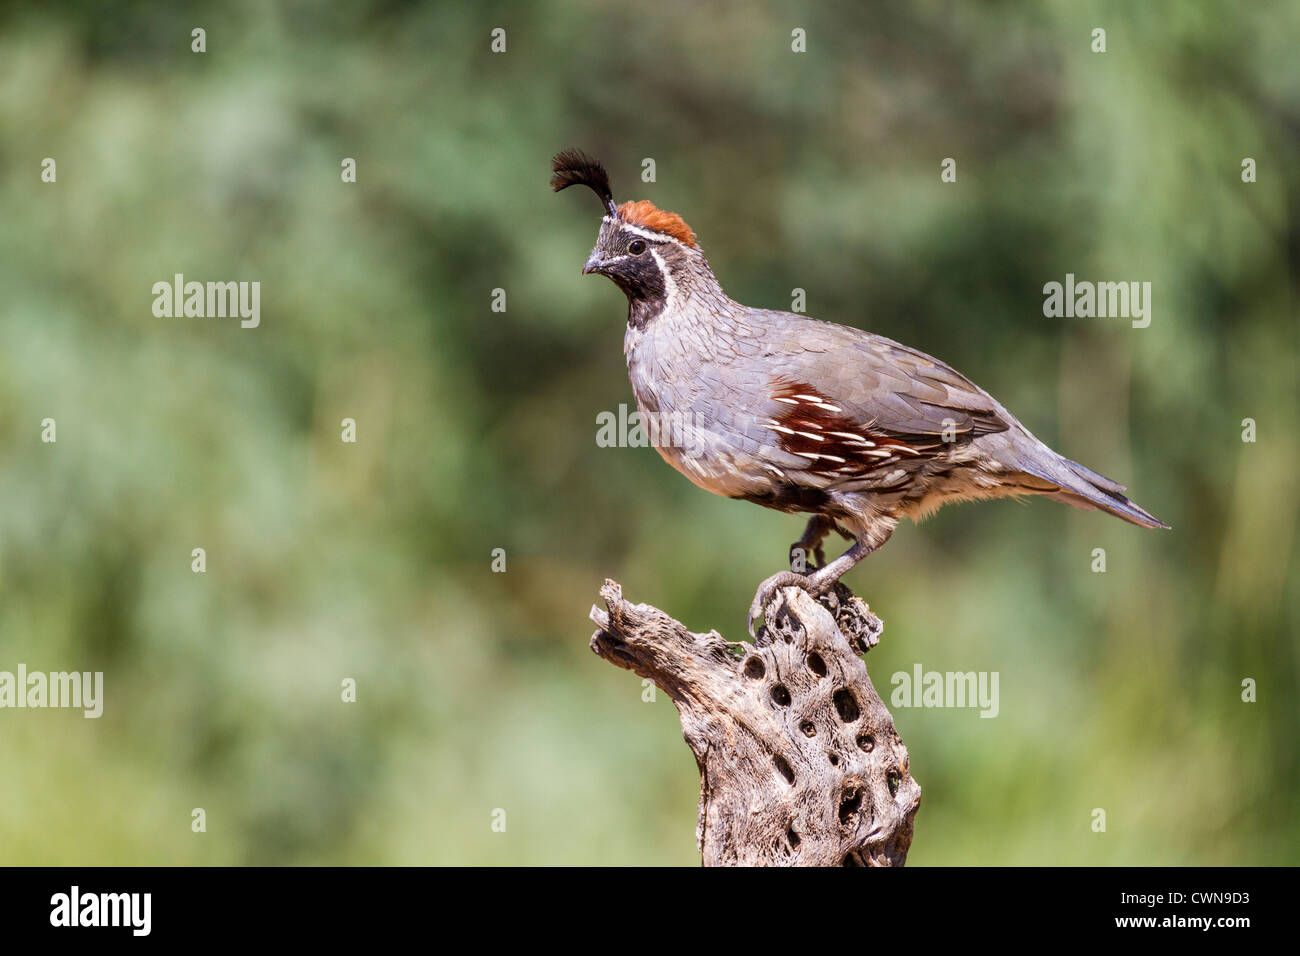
{"x": 636, "y": 247}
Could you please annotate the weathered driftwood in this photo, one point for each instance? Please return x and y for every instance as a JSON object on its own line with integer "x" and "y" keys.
{"x": 800, "y": 764}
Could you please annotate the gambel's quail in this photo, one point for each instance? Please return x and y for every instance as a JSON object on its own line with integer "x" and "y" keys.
{"x": 806, "y": 416}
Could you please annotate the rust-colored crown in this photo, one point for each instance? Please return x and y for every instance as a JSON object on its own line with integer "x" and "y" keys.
{"x": 648, "y": 216}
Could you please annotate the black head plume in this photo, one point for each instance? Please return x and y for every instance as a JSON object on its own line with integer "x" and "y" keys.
{"x": 573, "y": 167}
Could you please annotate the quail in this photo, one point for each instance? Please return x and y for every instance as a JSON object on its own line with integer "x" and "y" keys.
{"x": 806, "y": 416}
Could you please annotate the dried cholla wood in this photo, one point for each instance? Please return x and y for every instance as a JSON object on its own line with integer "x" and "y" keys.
{"x": 800, "y": 764}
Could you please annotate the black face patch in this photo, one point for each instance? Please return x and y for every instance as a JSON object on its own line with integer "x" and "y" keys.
{"x": 642, "y": 281}
{"x": 628, "y": 258}
{"x": 638, "y": 274}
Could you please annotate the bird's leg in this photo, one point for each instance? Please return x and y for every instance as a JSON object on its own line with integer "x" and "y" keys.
{"x": 823, "y": 579}
{"x": 817, "y": 583}
{"x": 810, "y": 543}
{"x": 768, "y": 589}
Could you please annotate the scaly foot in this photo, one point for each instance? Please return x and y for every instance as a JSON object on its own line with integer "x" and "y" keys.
{"x": 816, "y": 582}
{"x": 810, "y": 543}
{"x": 767, "y": 590}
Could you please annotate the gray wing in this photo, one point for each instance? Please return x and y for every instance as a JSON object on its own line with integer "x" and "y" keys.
{"x": 848, "y": 403}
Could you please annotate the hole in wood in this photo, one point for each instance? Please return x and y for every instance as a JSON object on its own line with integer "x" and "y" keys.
{"x": 808, "y": 728}
{"x": 780, "y": 696}
{"x": 835, "y": 759}
{"x": 846, "y": 706}
{"x": 783, "y": 768}
{"x": 816, "y": 664}
{"x": 792, "y": 838}
{"x": 895, "y": 780}
{"x": 866, "y": 743}
{"x": 755, "y": 668}
{"x": 850, "y": 804}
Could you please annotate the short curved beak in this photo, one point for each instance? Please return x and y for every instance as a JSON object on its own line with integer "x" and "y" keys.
{"x": 593, "y": 264}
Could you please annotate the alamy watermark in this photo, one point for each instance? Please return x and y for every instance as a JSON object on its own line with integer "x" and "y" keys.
{"x": 53, "y": 689}
{"x": 634, "y": 429}
{"x": 1102, "y": 300}
{"x": 922, "y": 688}
{"x": 132, "y": 911}
{"x": 210, "y": 300}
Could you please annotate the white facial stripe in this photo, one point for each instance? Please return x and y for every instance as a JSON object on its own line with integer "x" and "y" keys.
{"x": 670, "y": 286}
{"x": 649, "y": 234}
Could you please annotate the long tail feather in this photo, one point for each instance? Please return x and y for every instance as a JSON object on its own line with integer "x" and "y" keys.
{"x": 1084, "y": 488}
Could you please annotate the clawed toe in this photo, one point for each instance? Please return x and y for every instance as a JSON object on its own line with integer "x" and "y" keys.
{"x": 767, "y": 591}
{"x": 817, "y": 581}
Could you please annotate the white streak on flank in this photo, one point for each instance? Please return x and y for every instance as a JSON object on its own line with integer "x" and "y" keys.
{"x": 780, "y": 428}
{"x": 788, "y": 401}
{"x": 820, "y": 402}
{"x": 853, "y": 438}
{"x": 811, "y": 435}
{"x": 814, "y": 456}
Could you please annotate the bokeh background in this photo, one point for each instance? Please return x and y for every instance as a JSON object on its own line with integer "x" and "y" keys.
{"x": 476, "y": 430}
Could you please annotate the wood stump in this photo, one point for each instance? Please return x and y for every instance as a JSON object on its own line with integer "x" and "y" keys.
{"x": 800, "y": 764}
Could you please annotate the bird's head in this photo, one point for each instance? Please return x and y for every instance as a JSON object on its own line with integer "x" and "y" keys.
{"x": 645, "y": 251}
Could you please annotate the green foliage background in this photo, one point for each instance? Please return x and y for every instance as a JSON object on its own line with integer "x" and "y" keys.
{"x": 477, "y": 430}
